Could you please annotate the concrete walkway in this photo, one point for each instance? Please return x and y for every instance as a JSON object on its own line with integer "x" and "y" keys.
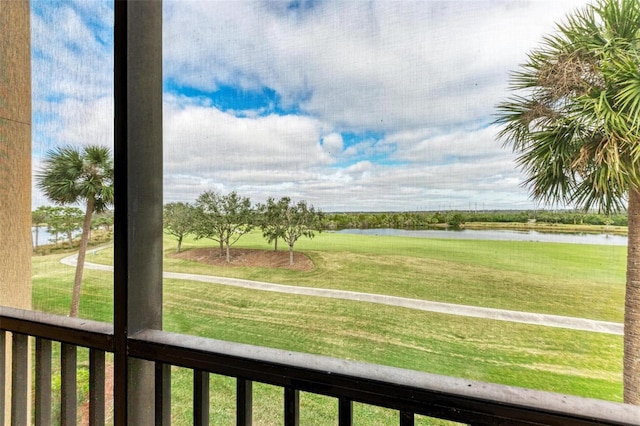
{"x": 422, "y": 305}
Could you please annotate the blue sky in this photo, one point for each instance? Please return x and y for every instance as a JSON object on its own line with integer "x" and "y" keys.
{"x": 350, "y": 105}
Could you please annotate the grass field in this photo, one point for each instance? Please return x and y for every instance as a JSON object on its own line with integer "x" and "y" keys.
{"x": 563, "y": 279}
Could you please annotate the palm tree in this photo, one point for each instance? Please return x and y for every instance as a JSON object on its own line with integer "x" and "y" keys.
{"x": 71, "y": 175}
{"x": 574, "y": 120}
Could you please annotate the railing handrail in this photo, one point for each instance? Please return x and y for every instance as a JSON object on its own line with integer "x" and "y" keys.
{"x": 75, "y": 331}
{"x": 406, "y": 390}
{"x": 423, "y": 393}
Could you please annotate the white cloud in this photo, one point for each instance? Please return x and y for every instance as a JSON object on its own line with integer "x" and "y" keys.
{"x": 70, "y": 59}
{"x": 210, "y": 140}
{"x": 87, "y": 122}
{"x": 72, "y": 74}
{"x": 205, "y": 146}
{"x": 457, "y": 146}
{"x": 333, "y": 144}
{"x": 425, "y": 75}
{"x": 374, "y": 65}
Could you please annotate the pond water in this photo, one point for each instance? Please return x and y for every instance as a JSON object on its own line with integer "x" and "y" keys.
{"x": 466, "y": 234}
{"x": 499, "y": 235}
{"x": 46, "y": 238}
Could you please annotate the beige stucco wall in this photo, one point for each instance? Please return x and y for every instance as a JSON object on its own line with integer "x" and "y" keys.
{"x": 15, "y": 156}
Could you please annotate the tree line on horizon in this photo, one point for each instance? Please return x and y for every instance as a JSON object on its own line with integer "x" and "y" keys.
{"x": 226, "y": 218}
{"x": 456, "y": 218}
{"x": 64, "y": 223}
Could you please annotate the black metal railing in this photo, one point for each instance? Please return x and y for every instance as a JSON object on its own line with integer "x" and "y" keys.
{"x": 408, "y": 392}
{"x": 45, "y": 329}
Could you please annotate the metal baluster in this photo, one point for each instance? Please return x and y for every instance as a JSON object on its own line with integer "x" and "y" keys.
{"x": 291, "y": 407}
{"x": 43, "y": 382}
{"x": 163, "y": 394}
{"x": 200, "y": 398}
{"x": 345, "y": 412}
{"x": 406, "y": 418}
{"x": 244, "y": 402}
{"x": 96, "y": 388}
{"x": 68, "y": 388}
{"x": 19, "y": 379}
{"x": 3, "y": 360}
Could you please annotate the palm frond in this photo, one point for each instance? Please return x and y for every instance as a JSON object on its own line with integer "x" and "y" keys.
{"x": 574, "y": 117}
{"x": 70, "y": 175}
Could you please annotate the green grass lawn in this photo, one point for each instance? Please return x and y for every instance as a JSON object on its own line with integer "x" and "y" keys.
{"x": 563, "y": 279}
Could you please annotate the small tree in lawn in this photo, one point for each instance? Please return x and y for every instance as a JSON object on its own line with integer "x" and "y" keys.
{"x": 206, "y": 220}
{"x": 103, "y": 220}
{"x": 271, "y": 219}
{"x": 53, "y": 227}
{"x": 178, "y": 221}
{"x": 64, "y": 220}
{"x": 72, "y": 175}
{"x": 39, "y": 218}
{"x": 222, "y": 218}
{"x": 300, "y": 220}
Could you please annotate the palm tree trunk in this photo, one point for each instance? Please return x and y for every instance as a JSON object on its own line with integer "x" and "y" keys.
{"x": 632, "y": 304}
{"x": 84, "y": 240}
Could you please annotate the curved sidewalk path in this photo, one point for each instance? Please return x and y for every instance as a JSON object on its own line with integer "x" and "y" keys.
{"x": 572, "y": 323}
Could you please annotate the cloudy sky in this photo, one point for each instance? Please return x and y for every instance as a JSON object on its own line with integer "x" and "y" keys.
{"x": 350, "y": 105}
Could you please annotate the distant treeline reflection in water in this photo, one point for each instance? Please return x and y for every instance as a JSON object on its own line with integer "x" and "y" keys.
{"x": 498, "y": 235}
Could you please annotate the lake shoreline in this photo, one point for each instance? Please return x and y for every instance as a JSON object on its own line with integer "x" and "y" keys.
{"x": 548, "y": 227}
{"x": 537, "y": 235}
{"x": 520, "y": 226}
